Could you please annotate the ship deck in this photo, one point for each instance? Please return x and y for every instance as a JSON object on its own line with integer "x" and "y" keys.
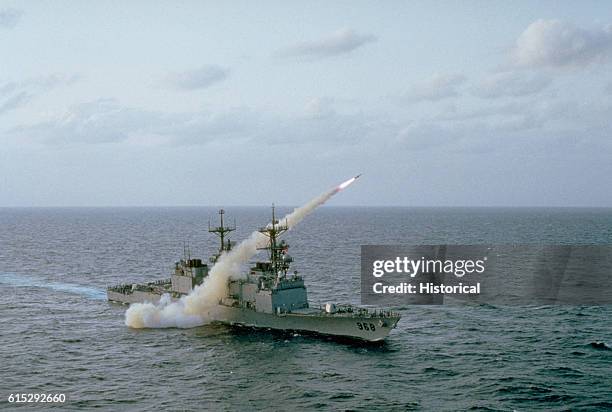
{"x": 344, "y": 312}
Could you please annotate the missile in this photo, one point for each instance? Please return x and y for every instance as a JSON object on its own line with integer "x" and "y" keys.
{"x": 348, "y": 182}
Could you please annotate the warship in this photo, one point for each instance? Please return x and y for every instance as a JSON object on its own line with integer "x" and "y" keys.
{"x": 269, "y": 297}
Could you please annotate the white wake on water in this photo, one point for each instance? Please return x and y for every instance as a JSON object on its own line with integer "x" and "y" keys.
{"x": 26, "y": 281}
{"x": 190, "y": 310}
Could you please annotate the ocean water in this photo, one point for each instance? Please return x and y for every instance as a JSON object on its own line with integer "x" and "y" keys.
{"x": 59, "y": 335}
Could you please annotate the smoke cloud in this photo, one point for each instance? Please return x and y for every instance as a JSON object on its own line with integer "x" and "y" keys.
{"x": 191, "y": 310}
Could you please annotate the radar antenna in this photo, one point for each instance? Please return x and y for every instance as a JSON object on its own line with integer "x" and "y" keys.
{"x": 277, "y": 250}
{"x": 221, "y": 231}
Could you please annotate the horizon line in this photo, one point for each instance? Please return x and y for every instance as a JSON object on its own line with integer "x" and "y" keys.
{"x": 297, "y": 205}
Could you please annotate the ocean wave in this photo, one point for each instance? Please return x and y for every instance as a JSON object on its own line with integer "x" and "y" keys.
{"x": 599, "y": 345}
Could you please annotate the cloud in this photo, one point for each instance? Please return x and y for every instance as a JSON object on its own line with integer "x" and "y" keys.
{"x": 496, "y": 126}
{"x": 543, "y": 125}
{"x": 107, "y": 121}
{"x": 7, "y": 88}
{"x": 324, "y": 131}
{"x": 15, "y": 94}
{"x": 14, "y": 101}
{"x": 555, "y": 43}
{"x": 488, "y": 132}
{"x": 92, "y": 122}
{"x": 340, "y": 42}
{"x": 9, "y": 18}
{"x": 511, "y": 84}
{"x": 437, "y": 87}
{"x": 51, "y": 81}
{"x": 200, "y": 78}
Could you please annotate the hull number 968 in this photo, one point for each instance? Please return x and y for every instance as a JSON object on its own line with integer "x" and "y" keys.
{"x": 366, "y": 326}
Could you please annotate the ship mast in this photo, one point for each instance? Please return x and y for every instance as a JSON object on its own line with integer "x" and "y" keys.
{"x": 221, "y": 231}
{"x": 272, "y": 231}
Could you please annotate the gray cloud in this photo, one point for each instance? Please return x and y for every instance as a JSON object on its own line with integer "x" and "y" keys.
{"x": 7, "y": 88}
{"x": 511, "y": 84}
{"x": 200, "y": 78}
{"x": 540, "y": 125}
{"x": 437, "y": 87}
{"x": 51, "y": 81}
{"x": 9, "y": 18}
{"x": 15, "y": 94}
{"x": 14, "y": 101}
{"x": 554, "y": 43}
{"x": 92, "y": 122}
{"x": 107, "y": 121}
{"x": 339, "y": 42}
{"x": 325, "y": 131}
{"x": 495, "y": 127}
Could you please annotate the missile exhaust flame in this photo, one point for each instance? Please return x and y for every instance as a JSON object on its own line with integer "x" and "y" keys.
{"x": 190, "y": 311}
{"x": 346, "y": 184}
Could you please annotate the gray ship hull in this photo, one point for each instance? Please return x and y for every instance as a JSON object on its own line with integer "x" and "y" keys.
{"x": 368, "y": 327}
{"x": 371, "y": 328}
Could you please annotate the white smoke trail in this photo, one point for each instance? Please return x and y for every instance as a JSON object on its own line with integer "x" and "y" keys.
{"x": 190, "y": 310}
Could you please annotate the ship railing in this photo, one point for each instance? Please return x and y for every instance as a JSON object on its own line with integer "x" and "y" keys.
{"x": 365, "y": 312}
{"x": 129, "y": 287}
{"x": 123, "y": 288}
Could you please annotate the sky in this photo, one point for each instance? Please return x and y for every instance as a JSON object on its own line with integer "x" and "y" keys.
{"x": 140, "y": 103}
